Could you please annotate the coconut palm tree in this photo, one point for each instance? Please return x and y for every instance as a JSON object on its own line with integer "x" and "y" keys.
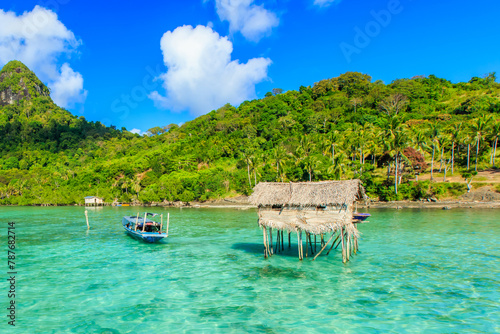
{"x": 495, "y": 133}
{"x": 455, "y": 136}
{"x": 279, "y": 155}
{"x": 480, "y": 126}
{"x": 433, "y": 134}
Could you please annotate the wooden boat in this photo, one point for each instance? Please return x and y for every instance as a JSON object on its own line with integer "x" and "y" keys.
{"x": 361, "y": 216}
{"x": 145, "y": 229}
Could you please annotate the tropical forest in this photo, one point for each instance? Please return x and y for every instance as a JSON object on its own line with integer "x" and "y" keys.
{"x": 411, "y": 139}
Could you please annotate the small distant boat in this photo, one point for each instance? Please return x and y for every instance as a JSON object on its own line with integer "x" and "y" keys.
{"x": 361, "y": 216}
{"x": 145, "y": 229}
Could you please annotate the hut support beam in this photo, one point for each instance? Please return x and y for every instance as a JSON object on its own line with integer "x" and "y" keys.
{"x": 310, "y": 243}
{"x": 270, "y": 237}
{"x": 324, "y": 246}
{"x": 265, "y": 242}
{"x": 289, "y": 239}
{"x": 307, "y": 234}
{"x": 343, "y": 246}
{"x": 333, "y": 243}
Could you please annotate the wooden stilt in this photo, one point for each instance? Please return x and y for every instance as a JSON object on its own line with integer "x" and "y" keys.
{"x": 265, "y": 242}
{"x": 324, "y": 246}
{"x": 348, "y": 246}
{"x": 282, "y": 242}
{"x": 277, "y": 245}
{"x": 298, "y": 244}
{"x": 87, "y": 219}
{"x": 333, "y": 243}
{"x": 301, "y": 248}
{"x": 315, "y": 244}
{"x": 168, "y": 221}
{"x": 271, "y": 237}
{"x": 307, "y": 234}
{"x": 310, "y": 244}
{"x": 343, "y": 246}
{"x": 289, "y": 239}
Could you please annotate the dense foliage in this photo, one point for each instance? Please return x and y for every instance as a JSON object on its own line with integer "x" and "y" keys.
{"x": 339, "y": 128}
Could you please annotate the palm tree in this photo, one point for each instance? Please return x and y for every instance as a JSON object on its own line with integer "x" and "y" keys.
{"x": 279, "y": 155}
{"x": 420, "y": 140}
{"x": 479, "y": 127}
{"x": 433, "y": 134}
{"x": 495, "y": 131}
{"x": 455, "y": 135}
{"x": 339, "y": 167}
{"x": 334, "y": 140}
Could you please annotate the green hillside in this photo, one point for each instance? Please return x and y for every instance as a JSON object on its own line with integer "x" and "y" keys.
{"x": 339, "y": 128}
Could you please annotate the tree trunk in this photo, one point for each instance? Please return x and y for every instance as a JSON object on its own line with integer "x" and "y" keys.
{"x": 432, "y": 161}
{"x": 452, "y": 156}
{"x": 441, "y": 159}
{"x": 468, "y": 156}
{"x": 396, "y": 175}
{"x": 477, "y": 153}
{"x": 491, "y": 154}
{"x": 249, "y": 180}
{"x": 495, "y": 151}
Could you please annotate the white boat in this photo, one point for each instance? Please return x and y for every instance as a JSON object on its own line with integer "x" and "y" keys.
{"x": 145, "y": 229}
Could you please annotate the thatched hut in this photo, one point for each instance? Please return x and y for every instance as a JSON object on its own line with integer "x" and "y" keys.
{"x": 316, "y": 208}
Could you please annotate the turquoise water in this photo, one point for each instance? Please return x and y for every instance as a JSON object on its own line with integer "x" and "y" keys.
{"x": 428, "y": 271}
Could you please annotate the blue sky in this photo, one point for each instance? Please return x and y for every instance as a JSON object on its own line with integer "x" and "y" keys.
{"x": 144, "y": 64}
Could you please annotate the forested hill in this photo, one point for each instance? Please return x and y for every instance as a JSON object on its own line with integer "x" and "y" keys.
{"x": 339, "y": 128}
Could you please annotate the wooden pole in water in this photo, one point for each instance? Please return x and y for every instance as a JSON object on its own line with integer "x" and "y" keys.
{"x": 271, "y": 237}
{"x": 282, "y": 242}
{"x": 306, "y": 242}
{"x": 301, "y": 248}
{"x": 168, "y": 221}
{"x": 333, "y": 243}
{"x": 276, "y": 245}
{"x": 343, "y": 249}
{"x": 323, "y": 248}
{"x": 265, "y": 242}
{"x": 144, "y": 222}
{"x": 349, "y": 246}
{"x": 310, "y": 243}
{"x": 87, "y": 219}
{"x": 289, "y": 239}
{"x": 136, "y": 221}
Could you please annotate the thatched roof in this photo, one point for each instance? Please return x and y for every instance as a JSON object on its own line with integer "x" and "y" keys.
{"x": 307, "y": 193}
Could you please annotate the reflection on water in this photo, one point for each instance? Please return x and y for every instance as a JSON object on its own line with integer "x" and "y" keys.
{"x": 417, "y": 271}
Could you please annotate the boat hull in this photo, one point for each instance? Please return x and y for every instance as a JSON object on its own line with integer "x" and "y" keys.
{"x": 149, "y": 237}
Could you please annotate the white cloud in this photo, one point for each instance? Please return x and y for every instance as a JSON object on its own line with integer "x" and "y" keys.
{"x": 201, "y": 75}
{"x": 137, "y": 131}
{"x": 66, "y": 90}
{"x": 251, "y": 20}
{"x": 323, "y": 3}
{"x": 39, "y": 40}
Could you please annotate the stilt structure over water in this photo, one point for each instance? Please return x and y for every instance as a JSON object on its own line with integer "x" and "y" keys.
{"x": 313, "y": 210}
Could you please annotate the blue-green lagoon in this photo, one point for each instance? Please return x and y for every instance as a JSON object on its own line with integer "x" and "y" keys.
{"x": 418, "y": 271}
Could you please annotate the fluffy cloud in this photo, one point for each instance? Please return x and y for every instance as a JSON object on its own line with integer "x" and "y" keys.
{"x": 323, "y": 3}
{"x": 39, "y": 39}
{"x": 201, "y": 76}
{"x": 137, "y": 131}
{"x": 251, "y": 20}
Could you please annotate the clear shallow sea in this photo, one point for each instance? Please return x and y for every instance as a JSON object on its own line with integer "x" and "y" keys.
{"x": 418, "y": 271}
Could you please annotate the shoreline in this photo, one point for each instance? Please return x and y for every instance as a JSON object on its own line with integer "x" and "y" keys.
{"x": 243, "y": 205}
